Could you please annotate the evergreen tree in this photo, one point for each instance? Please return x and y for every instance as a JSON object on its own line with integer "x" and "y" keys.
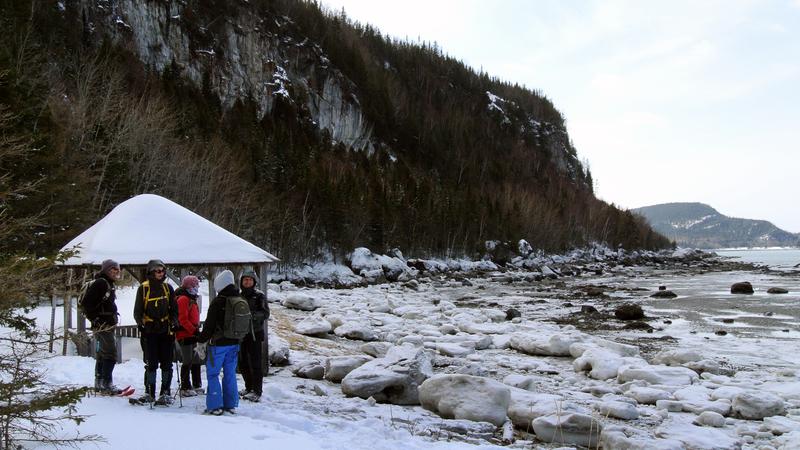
{"x": 30, "y": 409}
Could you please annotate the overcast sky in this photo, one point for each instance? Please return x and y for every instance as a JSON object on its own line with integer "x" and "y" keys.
{"x": 670, "y": 101}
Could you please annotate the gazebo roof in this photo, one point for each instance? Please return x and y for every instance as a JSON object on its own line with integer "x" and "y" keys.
{"x": 149, "y": 227}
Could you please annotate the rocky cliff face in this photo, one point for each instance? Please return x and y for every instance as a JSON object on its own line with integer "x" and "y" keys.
{"x": 699, "y": 225}
{"x": 241, "y": 55}
{"x": 554, "y": 138}
{"x": 246, "y": 57}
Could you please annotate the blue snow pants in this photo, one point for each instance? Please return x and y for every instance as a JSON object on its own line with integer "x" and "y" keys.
{"x": 222, "y": 358}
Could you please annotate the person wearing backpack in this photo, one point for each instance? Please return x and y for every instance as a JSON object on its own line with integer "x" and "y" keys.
{"x": 189, "y": 320}
{"x": 99, "y": 305}
{"x": 156, "y": 314}
{"x": 227, "y": 322}
{"x": 250, "y": 356}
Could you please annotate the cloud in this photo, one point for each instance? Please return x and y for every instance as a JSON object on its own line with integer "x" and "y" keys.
{"x": 690, "y": 89}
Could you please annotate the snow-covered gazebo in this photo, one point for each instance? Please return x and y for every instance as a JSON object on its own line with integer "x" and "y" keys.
{"x": 149, "y": 227}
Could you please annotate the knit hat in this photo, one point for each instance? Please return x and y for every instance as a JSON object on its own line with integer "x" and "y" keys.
{"x": 107, "y": 265}
{"x": 223, "y": 280}
{"x": 190, "y": 281}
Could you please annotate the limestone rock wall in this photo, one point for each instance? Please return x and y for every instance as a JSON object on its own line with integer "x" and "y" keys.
{"x": 241, "y": 59}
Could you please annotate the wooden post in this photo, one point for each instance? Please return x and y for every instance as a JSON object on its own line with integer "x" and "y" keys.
{"x": 262, "y": 282}
{"x": 81, "y": 319}
{"x": 52, "y": 321}
{"x": 212, "y": 272}
{"x": 118, "y": 344}
{"x": 67, "y": 304}
{"x": 65, "y": 307}
{"x": 262, "y": 277}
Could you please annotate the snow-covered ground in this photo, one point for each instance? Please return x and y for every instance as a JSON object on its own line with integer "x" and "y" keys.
{"x": 562, "y": 377}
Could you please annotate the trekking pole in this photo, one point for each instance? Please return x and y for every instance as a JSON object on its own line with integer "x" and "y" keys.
{"x": 180, "y": 394}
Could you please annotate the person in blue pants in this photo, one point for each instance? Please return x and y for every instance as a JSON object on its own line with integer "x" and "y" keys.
{"x": 222, "y": 352}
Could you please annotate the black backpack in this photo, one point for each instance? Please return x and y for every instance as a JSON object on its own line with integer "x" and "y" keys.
{"x": 91, "y": 313}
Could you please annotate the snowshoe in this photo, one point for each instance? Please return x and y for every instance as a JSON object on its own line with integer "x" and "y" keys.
{"x": 252, "y": 397}
{"x": 126, "y": 392}
{"x": 164, "y": 400}
{"x": 111, "y": 389}
{"x": 213, "y": 412}
{"x": 231, "y": 411}
{"x": 187, "y": 393}
{"x": 146, "y": 399}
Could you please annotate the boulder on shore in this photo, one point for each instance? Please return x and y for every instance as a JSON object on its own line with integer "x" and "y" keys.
{"x": 664, "y": 294}
{"x": 777, "y": 290}
{"x": 393, "y": 379}
{"x": 570, "y": 428}
{"x": 756, "y": 405}
{"x": 466, "y": 397}
{"x": 742, "y": 288}
{"x": 629, "y": 311}
{"x": 337, "y": 367}
{"x": 313, "y": 326}
{"x": 278, "y": 350}
{"x": 527, "y": 406}
{"x": 301, "y": 302}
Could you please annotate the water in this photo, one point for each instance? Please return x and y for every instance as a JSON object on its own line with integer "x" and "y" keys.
{"x": 775, "y": 258}
{"x": 762, "y": 329}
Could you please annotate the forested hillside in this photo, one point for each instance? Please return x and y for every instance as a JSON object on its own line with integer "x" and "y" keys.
{"x": 298, "y": 129}
{"x": 701, "y": 226}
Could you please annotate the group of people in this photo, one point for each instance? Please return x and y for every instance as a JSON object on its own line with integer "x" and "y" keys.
{"x": 166, "y": 316}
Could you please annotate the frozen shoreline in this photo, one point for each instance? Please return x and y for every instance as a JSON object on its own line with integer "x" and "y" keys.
{"x": 460, "y": 321}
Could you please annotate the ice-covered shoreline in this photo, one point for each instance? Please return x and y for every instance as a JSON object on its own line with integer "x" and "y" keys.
{"x": 363, "y": 267}
{"x": 489, "y": 345}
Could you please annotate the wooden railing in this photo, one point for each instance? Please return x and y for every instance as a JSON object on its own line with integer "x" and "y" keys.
{"x": 132, "y": 331}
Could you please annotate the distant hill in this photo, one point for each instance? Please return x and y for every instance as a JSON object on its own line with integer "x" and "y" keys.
{"x": 699, "y": 225}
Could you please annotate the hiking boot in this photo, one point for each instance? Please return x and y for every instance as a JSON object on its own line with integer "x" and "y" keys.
{"x": 188, "y": 393}
{"x": 213, "y": 412}
{"x": 164, "y": 400}
{"x": 230, "y": 411}
{"x": 146, "y": 398}
{"x": 244, "y": 392}
{"x": 252, "y": 397}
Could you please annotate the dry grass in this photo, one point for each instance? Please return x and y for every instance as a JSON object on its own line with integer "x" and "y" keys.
{"x": 282, "y": 324}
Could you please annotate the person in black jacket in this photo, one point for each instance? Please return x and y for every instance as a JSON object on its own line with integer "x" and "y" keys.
{"x": 156, "y": 314}
{"x": 222, "y": 352}
{"x": 250, "y": 356}
{"x": 100, "y": 307}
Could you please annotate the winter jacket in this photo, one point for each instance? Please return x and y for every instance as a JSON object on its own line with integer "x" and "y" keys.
{"x": 188, "y": 315}
{"x": 169, "y": 322}
{"x": 258, "y": 305}
{"x": 258, "y": 309}
{"x": 215, "y": 319}
{"x": 100, "y": 302}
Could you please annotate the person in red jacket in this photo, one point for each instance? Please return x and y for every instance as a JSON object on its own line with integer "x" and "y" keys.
{"x": 189, "y": 320}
